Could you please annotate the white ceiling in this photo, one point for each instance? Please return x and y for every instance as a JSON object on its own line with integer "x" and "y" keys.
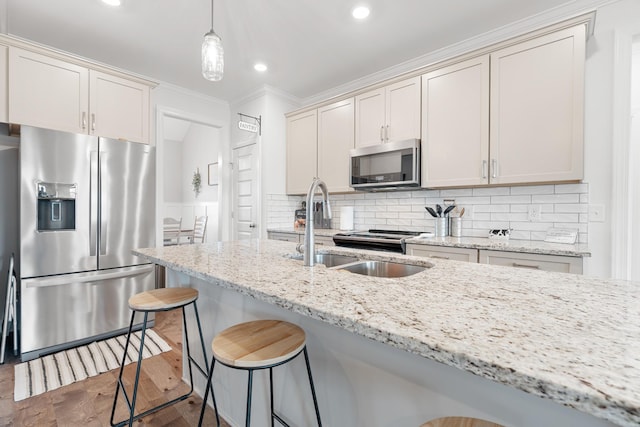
{"x": 310, "y": 46}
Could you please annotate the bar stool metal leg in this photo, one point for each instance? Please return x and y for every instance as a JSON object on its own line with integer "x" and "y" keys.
{"x": 120, "y": 383}
{"x": 249, "y": 386}
{"x": 313, "y": 389}
{"x": 206, "y": 395}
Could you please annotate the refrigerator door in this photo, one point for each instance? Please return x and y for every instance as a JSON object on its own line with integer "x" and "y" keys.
{"x": 58, "y": 199}
{"x": 127, "y": 202}
{"x": 63, "y": 311}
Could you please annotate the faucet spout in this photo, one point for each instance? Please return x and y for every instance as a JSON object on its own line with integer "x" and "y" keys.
{"x": 309, "y": 240}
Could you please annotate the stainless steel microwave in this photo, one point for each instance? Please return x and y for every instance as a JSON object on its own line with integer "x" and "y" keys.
{"x": 386, "y": 166}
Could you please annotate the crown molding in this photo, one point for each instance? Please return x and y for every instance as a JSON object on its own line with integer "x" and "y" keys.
{"x": 267, "y": 90}
{"x": 192, "y": 93}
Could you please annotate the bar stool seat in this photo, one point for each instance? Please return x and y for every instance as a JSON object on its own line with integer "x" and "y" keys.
{"x": 156, "y": 300}
{"x": 260, "y": 344}
{"x": 459, "y": 422}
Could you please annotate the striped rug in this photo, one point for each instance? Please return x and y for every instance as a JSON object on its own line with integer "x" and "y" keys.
{"x": 66, "y": 367}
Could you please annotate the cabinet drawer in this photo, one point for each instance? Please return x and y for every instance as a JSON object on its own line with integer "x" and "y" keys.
{"x": 560, "y": 264}
{"x": 441, "y": 252}
{"x": 285, "y": 237}
{"x": 322, "y": 240}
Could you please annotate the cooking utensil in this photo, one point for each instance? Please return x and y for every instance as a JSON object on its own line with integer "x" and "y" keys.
{"x": 431, "y": 211}
{"x": 439, "y": 210}
{"x": 448, "y": 209}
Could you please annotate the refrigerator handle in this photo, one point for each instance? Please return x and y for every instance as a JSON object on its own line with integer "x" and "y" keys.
{"x": 93, "y": 200}
{"x": 64, "y": 279}
{"x": 102, "y": 242}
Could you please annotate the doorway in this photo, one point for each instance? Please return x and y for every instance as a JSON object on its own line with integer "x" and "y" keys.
{"x": 187, "y": 146}
{"x": 634, "y": 156}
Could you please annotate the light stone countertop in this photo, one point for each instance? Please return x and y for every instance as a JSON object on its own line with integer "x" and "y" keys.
{"x": 565, "y": 337}
{"x": 523, "y": 246}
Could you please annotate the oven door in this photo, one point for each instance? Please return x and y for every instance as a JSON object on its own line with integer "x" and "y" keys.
{"x": 394, "y": 164}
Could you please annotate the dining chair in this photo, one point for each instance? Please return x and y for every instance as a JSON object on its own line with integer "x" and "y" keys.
{"x": 199, "y": 230}
{"x": 171, "y": 231}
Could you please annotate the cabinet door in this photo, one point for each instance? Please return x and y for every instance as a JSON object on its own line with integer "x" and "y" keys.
{"x": 402, "y": 110}
{"x": 302, "y": 156}
{"x": 119, "y": 108}
{"x": 335, "y": 139}
{"x": 47, "y": 92}
{"x": 455, "y": 125}
{"x": 370, "y": 118}
{"x": 560, "y": 264}
{"x": 537, "y": 90}
{"x": 4, "y": 102}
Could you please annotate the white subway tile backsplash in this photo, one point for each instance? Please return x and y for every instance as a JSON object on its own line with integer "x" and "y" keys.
{"x": 561, "y": 206}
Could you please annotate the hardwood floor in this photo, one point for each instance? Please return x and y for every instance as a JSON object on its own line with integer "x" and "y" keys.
{"x": 88, "y": 402}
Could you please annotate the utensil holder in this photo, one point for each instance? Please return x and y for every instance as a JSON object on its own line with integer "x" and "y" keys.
{"x": 455, "y": 227}
{"x": 442, "y": 227}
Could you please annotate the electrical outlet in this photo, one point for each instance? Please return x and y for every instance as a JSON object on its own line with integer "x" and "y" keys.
{"x": 534, "y": 213}
{"x": 596, "y": 213}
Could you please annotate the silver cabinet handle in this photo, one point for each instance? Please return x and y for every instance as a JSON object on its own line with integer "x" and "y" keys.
{"x": 381, "y": 128}
{"x": 93, "y": 122}
{"x": 439, "y": 257}
{"x": 533, "y": 267}
{"x": 84, "y": 120}
{"x": 252, "y": 225}
{"x": 484, "y": 169}
{"x": 386, "y": 133}
{"x": 494, "y": 168}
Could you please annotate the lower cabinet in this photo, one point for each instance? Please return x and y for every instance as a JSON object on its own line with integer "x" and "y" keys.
{"x": 443, "y": 252}
{"x": 557, "y": 263}
{"x": 561, "y": 264}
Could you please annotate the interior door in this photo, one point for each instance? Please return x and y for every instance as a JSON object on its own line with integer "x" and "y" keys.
{"x": 246, "y": 197}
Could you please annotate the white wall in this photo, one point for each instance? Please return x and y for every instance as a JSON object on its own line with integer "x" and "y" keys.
{"x": 172, "y": 168}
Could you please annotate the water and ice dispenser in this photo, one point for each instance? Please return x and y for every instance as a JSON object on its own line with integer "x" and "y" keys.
{"x": 56, "y": 206}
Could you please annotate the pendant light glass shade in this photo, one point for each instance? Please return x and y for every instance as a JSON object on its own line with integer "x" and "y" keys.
{"x": 212, "y": 57}
{"x": 212, "y": 54}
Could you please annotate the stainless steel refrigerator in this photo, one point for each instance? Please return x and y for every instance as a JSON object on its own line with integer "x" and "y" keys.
{"x": 85, "y": 202}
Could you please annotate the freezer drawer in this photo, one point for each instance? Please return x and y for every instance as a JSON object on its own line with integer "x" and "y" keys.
{"x": 64, "y": 311}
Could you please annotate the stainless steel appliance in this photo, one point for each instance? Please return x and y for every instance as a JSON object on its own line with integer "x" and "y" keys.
{"x": 382, "y": 240}
{"x": 85, "y": 202}
{"x": 393, "y": 165}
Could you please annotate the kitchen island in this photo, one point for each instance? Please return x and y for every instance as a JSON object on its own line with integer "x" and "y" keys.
{"x": 514, "y": 346}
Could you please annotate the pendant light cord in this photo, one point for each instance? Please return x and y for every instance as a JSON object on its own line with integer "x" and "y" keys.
{"x": 212, "y": 15}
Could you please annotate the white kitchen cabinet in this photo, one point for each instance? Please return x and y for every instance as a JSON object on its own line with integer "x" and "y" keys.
{"x": 119, "y": 107}
{"x": 335, "y": 139}
{"x": 537, "y": 91}
{"x": 283, "y": 236}
{"x": 4, "y": 99}
{"x": 443, "y": 252}
{"x": 302, "y": 155}
{"x": 390, "y": 113}
{"x": 561, "y": 264}
{"x": 52, "y": 93}
{"x": 455, "y": 125}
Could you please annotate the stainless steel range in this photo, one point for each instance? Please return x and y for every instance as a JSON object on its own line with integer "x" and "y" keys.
{"x": 381, "y": 240}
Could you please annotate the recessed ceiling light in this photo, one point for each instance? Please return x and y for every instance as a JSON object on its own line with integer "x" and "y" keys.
{"x": 360, "y": 12}
{"x": 260, "y": 67}
{"x": 112, "y": 2}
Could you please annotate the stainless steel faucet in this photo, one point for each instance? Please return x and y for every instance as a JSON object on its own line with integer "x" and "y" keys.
{"x": 309, "y": 243}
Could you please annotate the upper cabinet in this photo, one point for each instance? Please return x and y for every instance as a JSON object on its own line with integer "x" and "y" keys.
{"x": 509, "y": 117}
{"x": 537, "y": 91}
{"x": 52, "y": 93}
{"x": 390, "y": 113}
{"x": 302, "y": 154}
{"x": 335, "y": 139}
{"x": 318, "y": 144}
{"x": 4, "y": 101}
{"x": 455, "y": 124}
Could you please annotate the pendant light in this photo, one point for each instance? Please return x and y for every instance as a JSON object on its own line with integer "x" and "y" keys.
{"x": 212, "y": 54}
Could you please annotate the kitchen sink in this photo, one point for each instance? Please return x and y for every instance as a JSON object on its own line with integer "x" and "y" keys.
{"x": 331, "y": 260}
{"x": 383, "y": 269}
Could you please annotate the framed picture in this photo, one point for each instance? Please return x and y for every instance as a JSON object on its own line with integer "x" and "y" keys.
{"x": 213, "y": 173}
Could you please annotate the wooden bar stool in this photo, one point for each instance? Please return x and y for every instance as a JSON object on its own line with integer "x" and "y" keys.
{"x": 261, "y": 344}
{"x": 157, "y": 300}
{"x": 459, "y": 422}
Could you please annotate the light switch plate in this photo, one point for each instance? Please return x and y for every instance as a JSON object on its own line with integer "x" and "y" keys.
{"x": 596, "y": 213}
